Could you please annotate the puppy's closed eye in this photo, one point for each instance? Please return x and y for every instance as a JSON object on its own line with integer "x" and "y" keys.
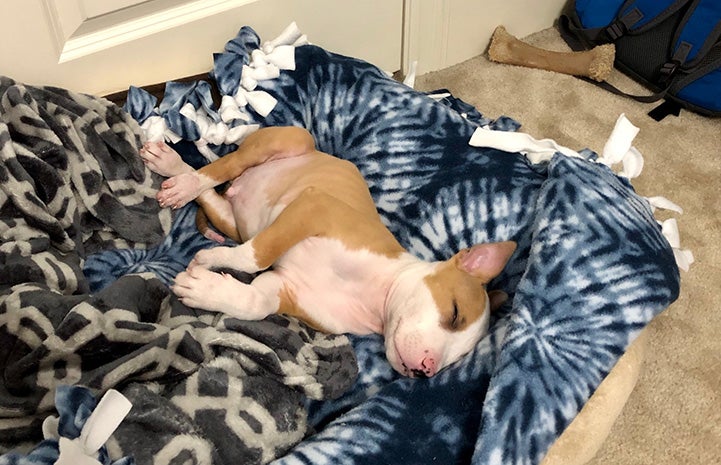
{"x": 454, "y": 319}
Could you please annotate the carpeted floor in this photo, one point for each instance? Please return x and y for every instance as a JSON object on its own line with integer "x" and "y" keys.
{"x": 674, "y": 414}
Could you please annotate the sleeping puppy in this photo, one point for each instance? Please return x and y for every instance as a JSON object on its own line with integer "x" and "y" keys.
{"x": 308, "y": 221}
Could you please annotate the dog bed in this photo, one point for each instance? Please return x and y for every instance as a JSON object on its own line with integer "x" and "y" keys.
{"x": 87, "y": 255}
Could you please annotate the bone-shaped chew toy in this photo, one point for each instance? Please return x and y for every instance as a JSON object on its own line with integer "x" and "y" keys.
{"x": 596, "y": 63}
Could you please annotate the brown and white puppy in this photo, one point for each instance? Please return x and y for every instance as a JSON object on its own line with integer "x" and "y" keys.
{"x": 310, "y": 217}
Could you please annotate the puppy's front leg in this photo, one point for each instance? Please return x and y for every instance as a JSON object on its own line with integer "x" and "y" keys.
{"x": 240, "y": 258}
{"x": 220, "y": 292}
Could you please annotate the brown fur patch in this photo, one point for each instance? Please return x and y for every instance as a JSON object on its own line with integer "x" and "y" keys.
{"x": 453, "y": 289}
{"x": 289, "y": 306}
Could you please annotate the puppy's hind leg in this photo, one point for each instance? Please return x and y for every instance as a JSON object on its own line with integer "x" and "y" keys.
{"x": 312, "y": 213}
{"x": 182, "y": 185}
{"x": 162, "y": 159}
{"x": 216, "y": 209}
{"x": 291, "y": 226}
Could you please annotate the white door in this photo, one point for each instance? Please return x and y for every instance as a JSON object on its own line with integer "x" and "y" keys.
{"x": 100, "y": 46}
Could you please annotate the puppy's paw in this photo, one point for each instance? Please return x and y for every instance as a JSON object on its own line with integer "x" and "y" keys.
{"x": 177, "y": 191}
{"x": 220, "y": 292}
{"x": 217, "y": 257}
{"x": 163, "y": 160}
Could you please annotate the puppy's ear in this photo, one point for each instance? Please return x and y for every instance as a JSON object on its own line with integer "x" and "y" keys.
{"x": 485, "y": 261}
{"x": 496, "y": 299}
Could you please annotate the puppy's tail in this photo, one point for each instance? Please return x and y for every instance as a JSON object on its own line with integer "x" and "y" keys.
{"x": 203, "y": 225}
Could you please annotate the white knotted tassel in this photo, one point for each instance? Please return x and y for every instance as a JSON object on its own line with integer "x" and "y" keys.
{"x": 618, "y": 148}
{"x": 269, "y": 71}
{"x": 229, "y": 110}
{"x": 261, "y": 101}
{"x": 288, "y": 37}
{"x": 246, "y": 78}
{"x": 172, "y": 137}
{"x": 302, "y": 40}
{"x": 216, "y": 133}
{"x": 239, "y": 97}
{"x": 105, "y": 419}
{"x": 536, "y": 151}
{"x": 154, "y": 128}
{"x": 200, "y": 118}
{"x": 277, "y": 54}
{"x": 237, "y": 134}
{"x": 684, "y": 258}
{"x": 632, "y": 164}
{"x": 619, "y": 142}
{"x": 663, "y": 203}
{"x": 283, "y": 57}
{"x": 257, "y": 58}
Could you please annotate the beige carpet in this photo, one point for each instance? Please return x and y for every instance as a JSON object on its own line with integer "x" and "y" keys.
{"x": 674, "y": 413}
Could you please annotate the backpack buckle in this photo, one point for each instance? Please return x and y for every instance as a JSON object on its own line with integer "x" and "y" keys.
{"x": 667, "y": 71}
{"x": 669, "y": 68}
{"x": 616, "y": 30}
{"x": 623, "y": 24}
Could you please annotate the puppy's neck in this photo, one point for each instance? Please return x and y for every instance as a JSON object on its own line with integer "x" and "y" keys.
{"x": 407, "y": 274}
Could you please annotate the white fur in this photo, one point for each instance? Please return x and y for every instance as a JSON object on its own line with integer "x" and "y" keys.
{"x": 341, "y": 289}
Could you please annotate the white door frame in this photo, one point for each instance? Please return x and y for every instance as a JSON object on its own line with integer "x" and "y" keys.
{"x": 441, "y": 33}
{"x": 425, "y": 34}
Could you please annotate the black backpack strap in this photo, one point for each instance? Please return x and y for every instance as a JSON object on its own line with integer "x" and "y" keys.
{"x": 571, "y": 33}
{"x": 637, "y": 16}
{"x": 668, "y": 107}
{"x": 655, "y": 97}
{"x": 624, "y": 23}
{"x": 699, "y": 31}
{"x": 668, "y": 70}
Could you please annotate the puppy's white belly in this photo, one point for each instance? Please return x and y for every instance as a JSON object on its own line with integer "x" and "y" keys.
{"x": 337, "y": 288}
{"x": 251, "y": 202}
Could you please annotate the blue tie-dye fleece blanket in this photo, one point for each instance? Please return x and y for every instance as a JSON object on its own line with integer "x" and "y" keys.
{"x": 591, "y": 270}
{"x": 592, "y": 266}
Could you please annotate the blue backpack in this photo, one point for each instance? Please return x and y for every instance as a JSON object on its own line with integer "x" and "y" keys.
{"x": 671, "y": 46}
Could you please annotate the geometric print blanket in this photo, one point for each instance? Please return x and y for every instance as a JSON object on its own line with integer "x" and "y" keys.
{"x": 205, "y": 388}
{"x": 592, "y": 267}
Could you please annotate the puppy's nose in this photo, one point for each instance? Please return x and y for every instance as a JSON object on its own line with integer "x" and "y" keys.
{"x": 426, "y": 368}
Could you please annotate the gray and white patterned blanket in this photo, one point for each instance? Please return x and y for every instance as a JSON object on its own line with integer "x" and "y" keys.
{"x": 202, "y": 385}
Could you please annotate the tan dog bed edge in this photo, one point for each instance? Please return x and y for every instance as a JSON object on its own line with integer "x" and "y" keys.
{"x": 583, "y": 438}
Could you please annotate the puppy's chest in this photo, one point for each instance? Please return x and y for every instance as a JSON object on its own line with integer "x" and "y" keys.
{"x": 341, "y": 289}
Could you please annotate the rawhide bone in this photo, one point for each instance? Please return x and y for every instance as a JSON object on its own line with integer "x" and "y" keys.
{"x": 596, "y": 63}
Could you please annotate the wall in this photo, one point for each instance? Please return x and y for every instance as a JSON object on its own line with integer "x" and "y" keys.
{"x": 441, "y": 33}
